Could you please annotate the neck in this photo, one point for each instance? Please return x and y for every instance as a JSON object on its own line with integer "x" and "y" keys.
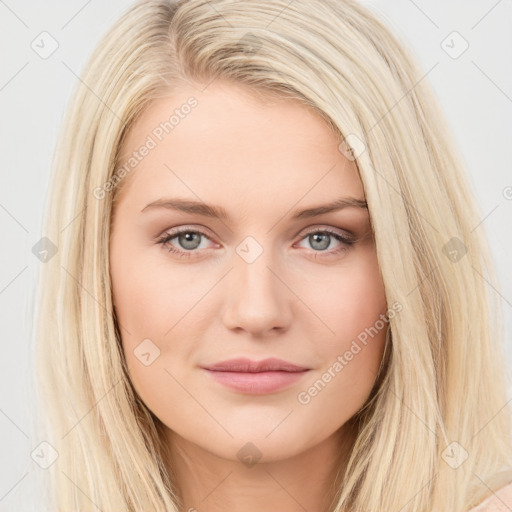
{"x": 207, "y": 482}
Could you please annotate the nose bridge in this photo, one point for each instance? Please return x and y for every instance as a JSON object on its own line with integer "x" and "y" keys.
{"x": 257, "y": 299}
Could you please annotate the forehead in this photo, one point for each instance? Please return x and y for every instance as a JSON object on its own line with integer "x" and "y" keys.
{"x": 228, "y": 145}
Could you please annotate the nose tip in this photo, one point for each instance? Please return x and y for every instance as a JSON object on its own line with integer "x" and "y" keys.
{"x": 257, "y": 301}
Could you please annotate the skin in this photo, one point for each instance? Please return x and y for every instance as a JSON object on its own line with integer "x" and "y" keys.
{"x": 261, "y": 161}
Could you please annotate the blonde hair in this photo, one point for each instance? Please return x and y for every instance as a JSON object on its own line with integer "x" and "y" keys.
{"x": 444, "y": 380}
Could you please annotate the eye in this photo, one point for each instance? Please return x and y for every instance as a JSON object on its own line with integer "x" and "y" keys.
{"x": 188, "y": 239}
{"x": 320, "y": 241}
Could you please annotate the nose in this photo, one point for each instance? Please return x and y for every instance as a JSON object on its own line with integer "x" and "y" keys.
{"x": 257, "y": 299}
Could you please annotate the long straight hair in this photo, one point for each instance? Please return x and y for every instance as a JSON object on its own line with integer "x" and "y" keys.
{"x": 443, "y": 392}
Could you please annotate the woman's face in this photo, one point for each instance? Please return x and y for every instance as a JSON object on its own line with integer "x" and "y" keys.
{"x": 261, "y": 280}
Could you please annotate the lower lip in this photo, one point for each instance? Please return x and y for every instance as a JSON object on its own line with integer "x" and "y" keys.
{"x": 257, "y": 383}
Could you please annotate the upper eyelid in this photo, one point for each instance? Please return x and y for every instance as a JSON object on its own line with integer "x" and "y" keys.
{"x": 170, "y": 234}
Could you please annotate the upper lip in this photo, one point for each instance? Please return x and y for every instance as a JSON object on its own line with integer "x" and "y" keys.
{"x": 249, "y": 366}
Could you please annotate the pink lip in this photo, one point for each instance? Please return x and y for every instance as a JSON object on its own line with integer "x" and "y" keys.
{"x": 256, "y": 377}
{"x": 245, "y": 365}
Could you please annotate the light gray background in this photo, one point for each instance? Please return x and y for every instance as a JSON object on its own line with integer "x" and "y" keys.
{"x": 475, "y": 91}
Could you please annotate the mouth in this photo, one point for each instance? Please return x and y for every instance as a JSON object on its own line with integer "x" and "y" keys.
{"x": 256, "y": 377}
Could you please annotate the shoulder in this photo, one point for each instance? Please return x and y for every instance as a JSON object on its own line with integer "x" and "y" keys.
{"x": 499, "y": 501}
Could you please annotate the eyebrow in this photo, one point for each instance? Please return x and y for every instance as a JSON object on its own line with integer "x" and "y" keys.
{"x": 217, "y": 212}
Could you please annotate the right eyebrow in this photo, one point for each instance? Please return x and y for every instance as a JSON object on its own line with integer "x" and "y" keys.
{"x": 189, "y": 206}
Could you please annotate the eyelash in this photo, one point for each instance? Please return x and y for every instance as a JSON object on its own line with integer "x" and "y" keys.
{"x": 167, "y": 237}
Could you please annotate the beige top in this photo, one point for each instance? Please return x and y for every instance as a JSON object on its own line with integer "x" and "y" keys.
{"x": 500, "y": 501}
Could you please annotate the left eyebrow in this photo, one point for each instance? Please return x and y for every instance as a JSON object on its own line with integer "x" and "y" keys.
{"x": 339, "y": 204}
{"x": 200, "y": 208}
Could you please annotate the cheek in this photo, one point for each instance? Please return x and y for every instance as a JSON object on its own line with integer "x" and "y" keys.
{"x": 150, "y": 295}
{"x": 353, "y": 347}
{"x": 152, "y": 299}
{"x": 144, "y": 309}
{"x": 354, "y": 301}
